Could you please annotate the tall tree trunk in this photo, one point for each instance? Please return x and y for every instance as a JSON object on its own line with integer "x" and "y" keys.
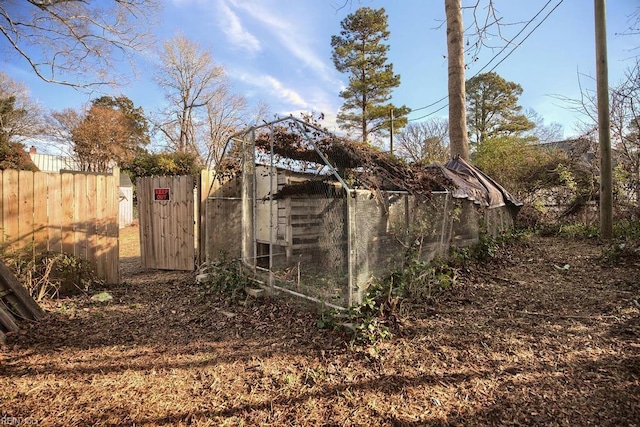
{"x": 604, "y": 121}
{"x": 459, "y": 140}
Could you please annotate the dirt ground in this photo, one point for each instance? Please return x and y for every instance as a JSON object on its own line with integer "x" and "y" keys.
{"x": 516, "y": 342}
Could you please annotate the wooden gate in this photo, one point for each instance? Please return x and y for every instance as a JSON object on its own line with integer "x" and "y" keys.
{"x": 167, "y": 222}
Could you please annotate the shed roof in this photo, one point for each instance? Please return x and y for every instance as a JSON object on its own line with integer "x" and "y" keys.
{"x": 125, "y": 180}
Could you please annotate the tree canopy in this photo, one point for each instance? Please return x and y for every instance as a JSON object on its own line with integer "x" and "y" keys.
{"x": 19, "y": 120}
{"x": 202, "y": 110}
{"x": 109, "y": 132}
{"x": 492, "y": 108}
{"x": 12, "y": 154}
{"x": 162, "y": 164}
{"x": 425, "y": 142}
{"x": 360, "y": 51}
{"x": 134, "y": 117}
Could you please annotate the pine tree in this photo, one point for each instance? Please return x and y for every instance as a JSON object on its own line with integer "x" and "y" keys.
{"x": 492, "y": 108}
{"x": 360, "y": 51}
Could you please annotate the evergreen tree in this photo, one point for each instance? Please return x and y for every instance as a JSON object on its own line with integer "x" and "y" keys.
{"x": 12, "y": 154}
{"x": 20, "y": 119}
{"x": 493, "y": 110}
{"x": 360, "y": 51}
{"x": 162, "y": 164}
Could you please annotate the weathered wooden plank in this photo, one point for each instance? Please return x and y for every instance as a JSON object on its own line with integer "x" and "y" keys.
{"x": 17, "y": 309}
{"x": 160, "y": 237}
{"x": 161, "y": 230}
{"x": 10, "y": 281}
{"x": 113, "y": 231}
{"x": 184, "y": 225}
{"x": 302, "y": 205}
{"x": 79, "y": 215}
{"x": 67, "y": 224}
{"x": 90, "y": 219}
{"x": 44, "y": 209}
{"x": 207, "y": 187}
{"x": 306, "y": 221}
{"x": 179, "y": 239}
{"x": 40, "y": 212}
{"x": 7, "y": 320}
{"x": 56, "y": 218}
{"x": 167, "y": 226}
{"x": 190, "y": 224}
{"x": 10, "y": 205}
{"x": 142, "y": 186}
{"x": 176, "y": 241}
{"x": 25, "y": 211}
{"x": 101, "y": 226}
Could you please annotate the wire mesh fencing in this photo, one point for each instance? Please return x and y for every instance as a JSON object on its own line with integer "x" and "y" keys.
{"x": 307, "y": 221}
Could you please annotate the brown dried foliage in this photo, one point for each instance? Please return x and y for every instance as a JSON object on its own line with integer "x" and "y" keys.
{"x": 368, "y": 166}
{"x": 515, "y": 342}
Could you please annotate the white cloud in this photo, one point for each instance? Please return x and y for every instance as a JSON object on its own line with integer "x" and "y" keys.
{"x": 275, "y": 88}
{"x": 288, "y": 101}
{"x": 232, "y": 26}
{"x": 228, "y": 22}
{"x": 292, "y": 34}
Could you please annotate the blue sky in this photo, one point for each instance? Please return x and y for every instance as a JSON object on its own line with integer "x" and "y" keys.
{"x": 278, "y": 52}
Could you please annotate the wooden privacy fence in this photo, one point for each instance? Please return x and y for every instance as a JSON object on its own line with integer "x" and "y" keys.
{"x": 75, "y": 213}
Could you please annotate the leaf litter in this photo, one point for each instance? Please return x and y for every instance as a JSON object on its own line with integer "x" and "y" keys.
{"x": 515, "y": 342}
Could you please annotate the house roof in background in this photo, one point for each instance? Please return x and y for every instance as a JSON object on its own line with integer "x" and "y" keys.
{"x": 52, "y": 163}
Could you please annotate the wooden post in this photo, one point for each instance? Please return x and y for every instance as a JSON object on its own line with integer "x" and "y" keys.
{"x": 604, "y": 122}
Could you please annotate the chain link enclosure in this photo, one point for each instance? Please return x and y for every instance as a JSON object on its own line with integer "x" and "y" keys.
{"x": 320, "y": 218}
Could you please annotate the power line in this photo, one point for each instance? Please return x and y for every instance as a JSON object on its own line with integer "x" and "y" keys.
{"x": 527, "y": 36}
{"x": 431, "y": 113}
{"x": 431, "y": 105}
{"x": 495, "y": 56}
{"x": 520, "y": 32}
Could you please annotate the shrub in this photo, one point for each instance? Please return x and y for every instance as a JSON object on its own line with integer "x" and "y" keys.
{"x": 50, "y": 275}
{"x": 418, "y": 282}
{"x": 226, "y": 279}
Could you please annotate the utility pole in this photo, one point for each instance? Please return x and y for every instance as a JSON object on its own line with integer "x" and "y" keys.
{"x": 604, "y": 122}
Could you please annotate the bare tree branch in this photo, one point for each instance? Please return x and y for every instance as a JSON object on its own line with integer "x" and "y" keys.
{"x": 20, "y": 116}
{"x": 75, "y": 42}
{"x": 425, "y": 142}
{"x": 202, "y": 111}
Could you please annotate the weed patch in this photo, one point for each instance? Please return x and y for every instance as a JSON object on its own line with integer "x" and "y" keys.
{"x": 226, "y": 280}
{"x": 50, "y": 275}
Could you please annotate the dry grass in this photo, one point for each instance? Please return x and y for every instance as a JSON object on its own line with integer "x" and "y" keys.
{"x": 516, "y": 343}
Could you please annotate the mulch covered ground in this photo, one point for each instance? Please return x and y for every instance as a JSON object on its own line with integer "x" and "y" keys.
{"x": 516, "y": 342}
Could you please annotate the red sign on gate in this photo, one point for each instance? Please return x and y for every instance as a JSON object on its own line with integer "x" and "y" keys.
{"x": 161, "y": 194}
